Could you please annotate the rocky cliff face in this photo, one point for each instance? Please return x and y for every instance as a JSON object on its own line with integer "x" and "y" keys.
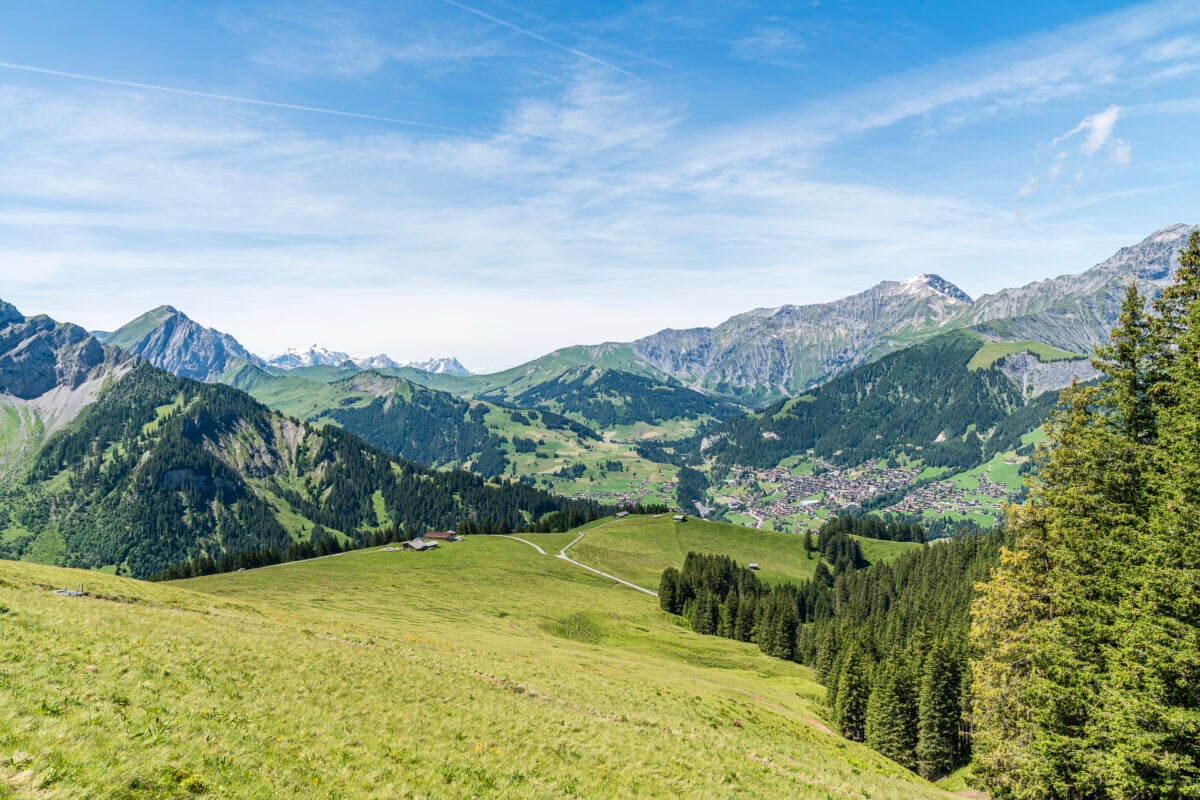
{"x": 1076, "y": 312}
{"x": 168, "y": 339}
{"x": 1035, "y": 377}
{"x": 38, "y": 355}
{"x": 766, "y": 353}
{"x": 49, "y": 369}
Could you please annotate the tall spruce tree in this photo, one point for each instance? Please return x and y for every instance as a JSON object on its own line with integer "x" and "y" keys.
{"x": 891, "y": 714}
{"x": 940, "y": 710}
{"x": 853, "y": 691}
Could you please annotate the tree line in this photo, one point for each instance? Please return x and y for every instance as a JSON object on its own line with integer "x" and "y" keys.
{"x": 889, "y": 641}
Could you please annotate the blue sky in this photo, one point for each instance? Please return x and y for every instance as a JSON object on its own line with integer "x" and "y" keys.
{"x": 497, "y": 178}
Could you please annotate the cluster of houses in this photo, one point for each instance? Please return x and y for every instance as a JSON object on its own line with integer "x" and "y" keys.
{"x": 942, "y": 496}
{"x": 830, "y": 488}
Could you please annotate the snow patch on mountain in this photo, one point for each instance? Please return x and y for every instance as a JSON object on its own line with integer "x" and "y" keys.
{"x": 315, "y": 355}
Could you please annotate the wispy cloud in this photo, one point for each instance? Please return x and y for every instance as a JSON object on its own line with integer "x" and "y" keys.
{"x": 227, "y": 98}
{"x": 332, "y": 40}
{"x": 537, "y": 37}
{"x": 771, "y": 44}
{"x": 593, "y": 192}
{"x": 1097, "y": 130}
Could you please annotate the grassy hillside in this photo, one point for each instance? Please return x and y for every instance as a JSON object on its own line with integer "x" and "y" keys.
{"x": 992, "y": 352}
{"x": 436, "y": 428}
{"x": 481, "y": 669}
{"x": 639, "y": 548}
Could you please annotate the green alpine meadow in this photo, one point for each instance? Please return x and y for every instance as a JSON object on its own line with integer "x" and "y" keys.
{"x": 545, "y": 400}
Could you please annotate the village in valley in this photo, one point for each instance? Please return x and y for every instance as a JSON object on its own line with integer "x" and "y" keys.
{"x": 803, "y": 492}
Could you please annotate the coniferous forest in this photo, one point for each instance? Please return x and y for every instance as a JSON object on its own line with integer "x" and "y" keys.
{"x": 1062, "y": 653}
{"x": 888, "y": 641}
{"x": 1087, "y": 638}
{"x": 163, "y": 470}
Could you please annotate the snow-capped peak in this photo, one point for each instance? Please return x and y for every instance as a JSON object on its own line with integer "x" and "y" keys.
{"x": 310, "y": 356}
{"x": 315, "y": 355}
{"x": 448, "y": 365}
{"x": 923, "y": 284}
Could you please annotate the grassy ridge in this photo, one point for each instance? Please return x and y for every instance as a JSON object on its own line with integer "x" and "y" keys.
{"x": 480, "y": 669}
{"x": 992, "y": 352}
{"x": 638, "y": 549}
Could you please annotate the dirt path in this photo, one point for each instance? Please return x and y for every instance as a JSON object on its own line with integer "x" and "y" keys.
{"x": 563, "y": 555}
{"x": 526, "y": 541}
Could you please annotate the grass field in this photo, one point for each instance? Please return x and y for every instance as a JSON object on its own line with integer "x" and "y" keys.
{"x": 639, "y": 548}
{"x": 481, "y": 669}
{"x": 992, "y": 352}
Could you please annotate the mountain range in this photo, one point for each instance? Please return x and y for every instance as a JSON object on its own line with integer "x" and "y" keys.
{"x": 315, "y": 356}
{"x": 131, "y": 453}
{"x": 111, "y": 462}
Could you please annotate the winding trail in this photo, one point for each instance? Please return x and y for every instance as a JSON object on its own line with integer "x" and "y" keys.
{"x": 563, "y": 555}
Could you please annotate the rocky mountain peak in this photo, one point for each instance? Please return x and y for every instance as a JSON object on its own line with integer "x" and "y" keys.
{"x": 924, "y": 284}
{"x": 170, "y": 340}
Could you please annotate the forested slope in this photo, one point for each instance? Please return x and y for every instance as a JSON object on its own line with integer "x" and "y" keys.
{"x": 162, "y": 469}
{"x": 922, "y": 402}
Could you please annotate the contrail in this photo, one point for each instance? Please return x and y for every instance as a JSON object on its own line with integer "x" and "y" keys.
{"x": 538, "y": 36}
{"x": 229, "y": 98}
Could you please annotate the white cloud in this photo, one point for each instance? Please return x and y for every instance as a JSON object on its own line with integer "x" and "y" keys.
{"x": 1097, "y": 128}
{"x": 1121, "y": 153}
{"x": 596, "y": 211}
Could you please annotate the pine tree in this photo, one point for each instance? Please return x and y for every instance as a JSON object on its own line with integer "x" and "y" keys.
{"x": 1087, "y": 682}
{"x": 1151, "y": 719}
{"x": 891, "y": 715}
{"x": 940, "y": 712}
{"x": 853, "y": 690}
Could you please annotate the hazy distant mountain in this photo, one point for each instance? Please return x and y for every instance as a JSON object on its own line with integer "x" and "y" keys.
{"x": 168, "y": 339}
{"x": 312, "y": 356}
{"x": 449, "y": 365}
{"x": 315, "y": 356}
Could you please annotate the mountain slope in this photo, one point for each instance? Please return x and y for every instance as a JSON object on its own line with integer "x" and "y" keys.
{"x": 1076, "y": 312}
{"x": 924, "y": 403}
{"x": 168, "y": 339}
{"x": 49, "y": 372}
{"x": 481, "y": 669}
{"x": 162, "y": 469}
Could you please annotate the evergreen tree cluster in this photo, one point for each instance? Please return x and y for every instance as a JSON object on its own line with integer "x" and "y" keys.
{"x": 893, "y": 652}
{"x": 889, "y": 641}
{"x": 689, "y": 492}
{"x": 875, "y": 528}
{"x": 1087, "y": 636}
